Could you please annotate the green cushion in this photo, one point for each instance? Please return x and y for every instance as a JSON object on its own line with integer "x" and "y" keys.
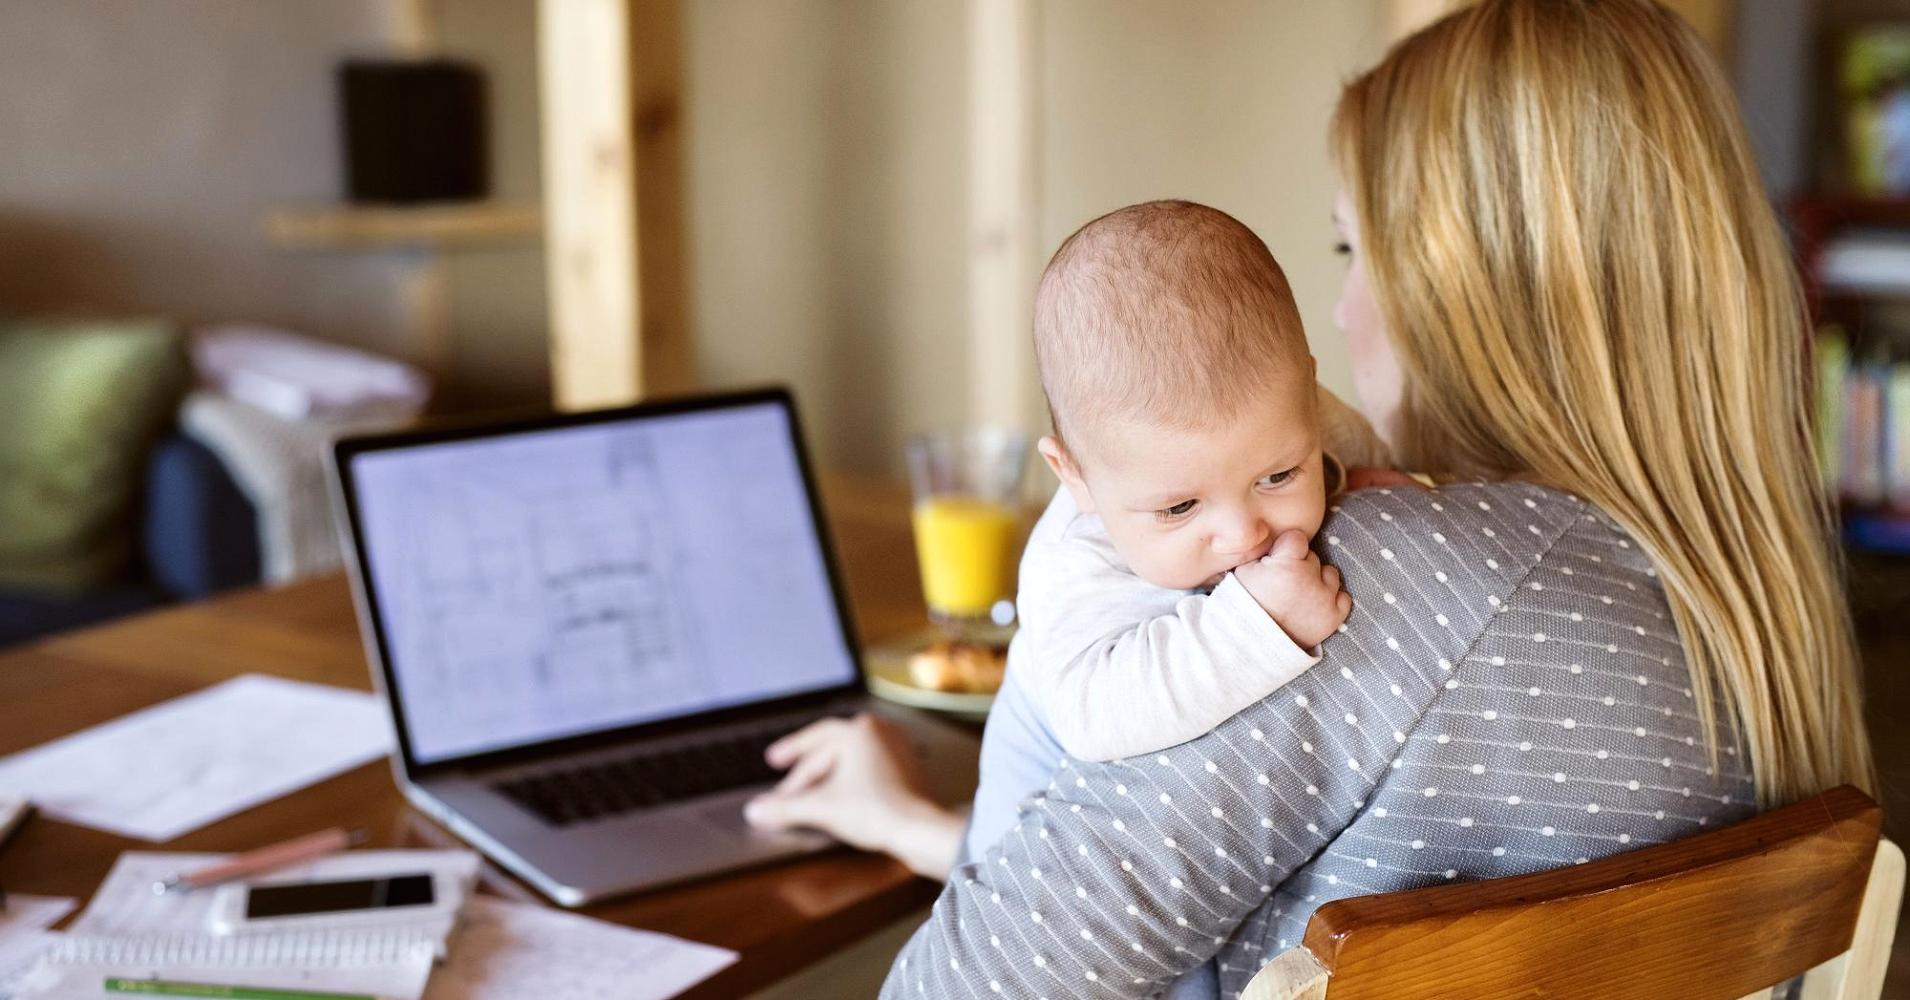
{"x": 80, "y": 404}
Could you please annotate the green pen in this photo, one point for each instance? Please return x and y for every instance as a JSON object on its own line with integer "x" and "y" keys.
{"x": 160, "y": 987}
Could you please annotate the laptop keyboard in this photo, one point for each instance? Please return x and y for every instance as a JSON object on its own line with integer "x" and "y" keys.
{"x": 647, "y": 779}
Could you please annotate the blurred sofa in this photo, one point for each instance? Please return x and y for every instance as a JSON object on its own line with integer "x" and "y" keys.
{"x": 195, "y": 534}
{"x": 104, "y": 507}
{"x": 139, "y": 466}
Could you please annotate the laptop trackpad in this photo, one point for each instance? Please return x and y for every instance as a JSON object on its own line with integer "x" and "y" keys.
{"x": 728, "y": 815}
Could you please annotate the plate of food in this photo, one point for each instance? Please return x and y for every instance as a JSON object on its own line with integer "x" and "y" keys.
{"x": 939, "y": 673}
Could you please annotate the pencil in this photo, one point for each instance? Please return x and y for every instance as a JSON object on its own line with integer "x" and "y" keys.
{"x": 263, "y": 860}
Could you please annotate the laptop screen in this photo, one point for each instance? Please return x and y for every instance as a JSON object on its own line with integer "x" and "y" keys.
{"x": 563, "y": 581}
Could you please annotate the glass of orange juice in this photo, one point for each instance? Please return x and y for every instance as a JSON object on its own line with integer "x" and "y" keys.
{"x": 967, "y": 525}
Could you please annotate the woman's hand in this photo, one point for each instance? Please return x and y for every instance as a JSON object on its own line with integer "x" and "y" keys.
{"x": 856, "y": 780}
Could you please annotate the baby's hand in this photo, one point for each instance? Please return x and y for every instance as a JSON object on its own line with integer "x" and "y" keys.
{"x": 1302, "y": 596}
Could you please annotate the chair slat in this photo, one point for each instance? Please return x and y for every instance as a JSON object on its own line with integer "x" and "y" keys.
{"x": 1720, "y": 915}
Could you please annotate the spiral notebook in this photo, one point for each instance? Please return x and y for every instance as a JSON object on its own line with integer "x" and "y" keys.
{"x": 386, "y": 963}
{"x": 128, "y": 931}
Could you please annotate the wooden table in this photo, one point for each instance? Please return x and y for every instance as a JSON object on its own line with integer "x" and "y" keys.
{"x": 779, "y": 918}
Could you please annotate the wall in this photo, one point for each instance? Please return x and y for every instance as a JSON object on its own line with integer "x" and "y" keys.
{"x": 499, "y": 349}
{"x": 145, "y": 142}
{"x": 150, "y": 137}
{"x": 1775, "y": 84}
{"x": 828, "y": 176}
{"x": 1224, "y": 102}
{"x": 826, "y": 163}
{"x": 826, "y": 170}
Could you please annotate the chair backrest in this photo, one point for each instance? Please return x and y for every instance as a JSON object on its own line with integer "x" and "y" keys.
{"x": 1724, "y": 914}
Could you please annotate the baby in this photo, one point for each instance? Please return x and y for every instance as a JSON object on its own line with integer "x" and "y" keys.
{"x": 1169, "y": 584}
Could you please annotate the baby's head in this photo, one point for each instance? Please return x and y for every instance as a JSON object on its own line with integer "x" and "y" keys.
{"x": 1181, "y": 389}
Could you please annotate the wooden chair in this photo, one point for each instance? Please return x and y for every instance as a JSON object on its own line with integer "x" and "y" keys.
{"x": 1808, "y": 889}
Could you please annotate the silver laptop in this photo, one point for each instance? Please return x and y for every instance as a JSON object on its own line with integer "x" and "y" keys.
{"x": 589, "y": 626}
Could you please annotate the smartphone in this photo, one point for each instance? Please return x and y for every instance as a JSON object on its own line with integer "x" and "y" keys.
{"x": 303, "y": 898}
{"x": 337, "y": 903}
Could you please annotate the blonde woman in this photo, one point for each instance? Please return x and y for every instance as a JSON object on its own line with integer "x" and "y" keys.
{"x": 1566, "y": 288}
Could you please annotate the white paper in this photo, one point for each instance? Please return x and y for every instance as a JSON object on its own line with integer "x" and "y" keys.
{"x": 19, "y": 952}
{"x": 13, "y": 812}
{"x": 24, "y": 912}
{"x": 125, "y": 903}
{"x": 23, "y": 935}
{"x": 515, "y": 950}
{"x": 172, "y": 768}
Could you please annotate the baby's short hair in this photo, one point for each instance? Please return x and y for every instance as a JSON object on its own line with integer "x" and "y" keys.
{"x": 1166, "y": 311}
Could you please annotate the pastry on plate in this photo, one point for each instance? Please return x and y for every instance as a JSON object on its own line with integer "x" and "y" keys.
{"x": 952, "y": 665}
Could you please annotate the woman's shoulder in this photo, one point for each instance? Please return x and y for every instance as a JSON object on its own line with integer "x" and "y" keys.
{"x": 1512, "y": 515}
{"x": 1473, "y": 537}
{"x": 1481, "y": 503}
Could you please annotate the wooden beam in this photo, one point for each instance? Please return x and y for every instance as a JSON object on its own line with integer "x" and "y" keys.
{"x": 610, "y": 86}
{"x": 1004, "y": 221}
{"x": 656, "y": 49}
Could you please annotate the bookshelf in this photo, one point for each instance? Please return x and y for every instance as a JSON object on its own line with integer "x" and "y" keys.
{"x": 1818, "y": 222}
{"x": 1854, "y": 257}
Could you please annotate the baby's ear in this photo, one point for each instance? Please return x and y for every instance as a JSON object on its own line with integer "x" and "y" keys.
{"x": 1056, "y": 455}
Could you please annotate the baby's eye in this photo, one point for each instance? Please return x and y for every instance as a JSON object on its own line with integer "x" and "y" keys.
{"x": 1273, "y": 479}
{"x": 1179, "y": 510}
{"x": 1343, "y": 248}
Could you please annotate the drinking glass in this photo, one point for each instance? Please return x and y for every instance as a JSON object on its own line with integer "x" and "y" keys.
{"x": 967, "y": 485}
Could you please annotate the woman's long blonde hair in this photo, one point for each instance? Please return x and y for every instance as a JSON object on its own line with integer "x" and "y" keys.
{"x": 1585, "y": 283}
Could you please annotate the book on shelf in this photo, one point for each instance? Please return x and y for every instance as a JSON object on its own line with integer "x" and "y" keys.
{"x": 1863, "y": 261}
{"x": 1874, "y": 102}
{"x": 1863, "y": 426}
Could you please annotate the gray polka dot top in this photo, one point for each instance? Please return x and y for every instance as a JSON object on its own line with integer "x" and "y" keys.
{"x": 1508, "y": 696}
